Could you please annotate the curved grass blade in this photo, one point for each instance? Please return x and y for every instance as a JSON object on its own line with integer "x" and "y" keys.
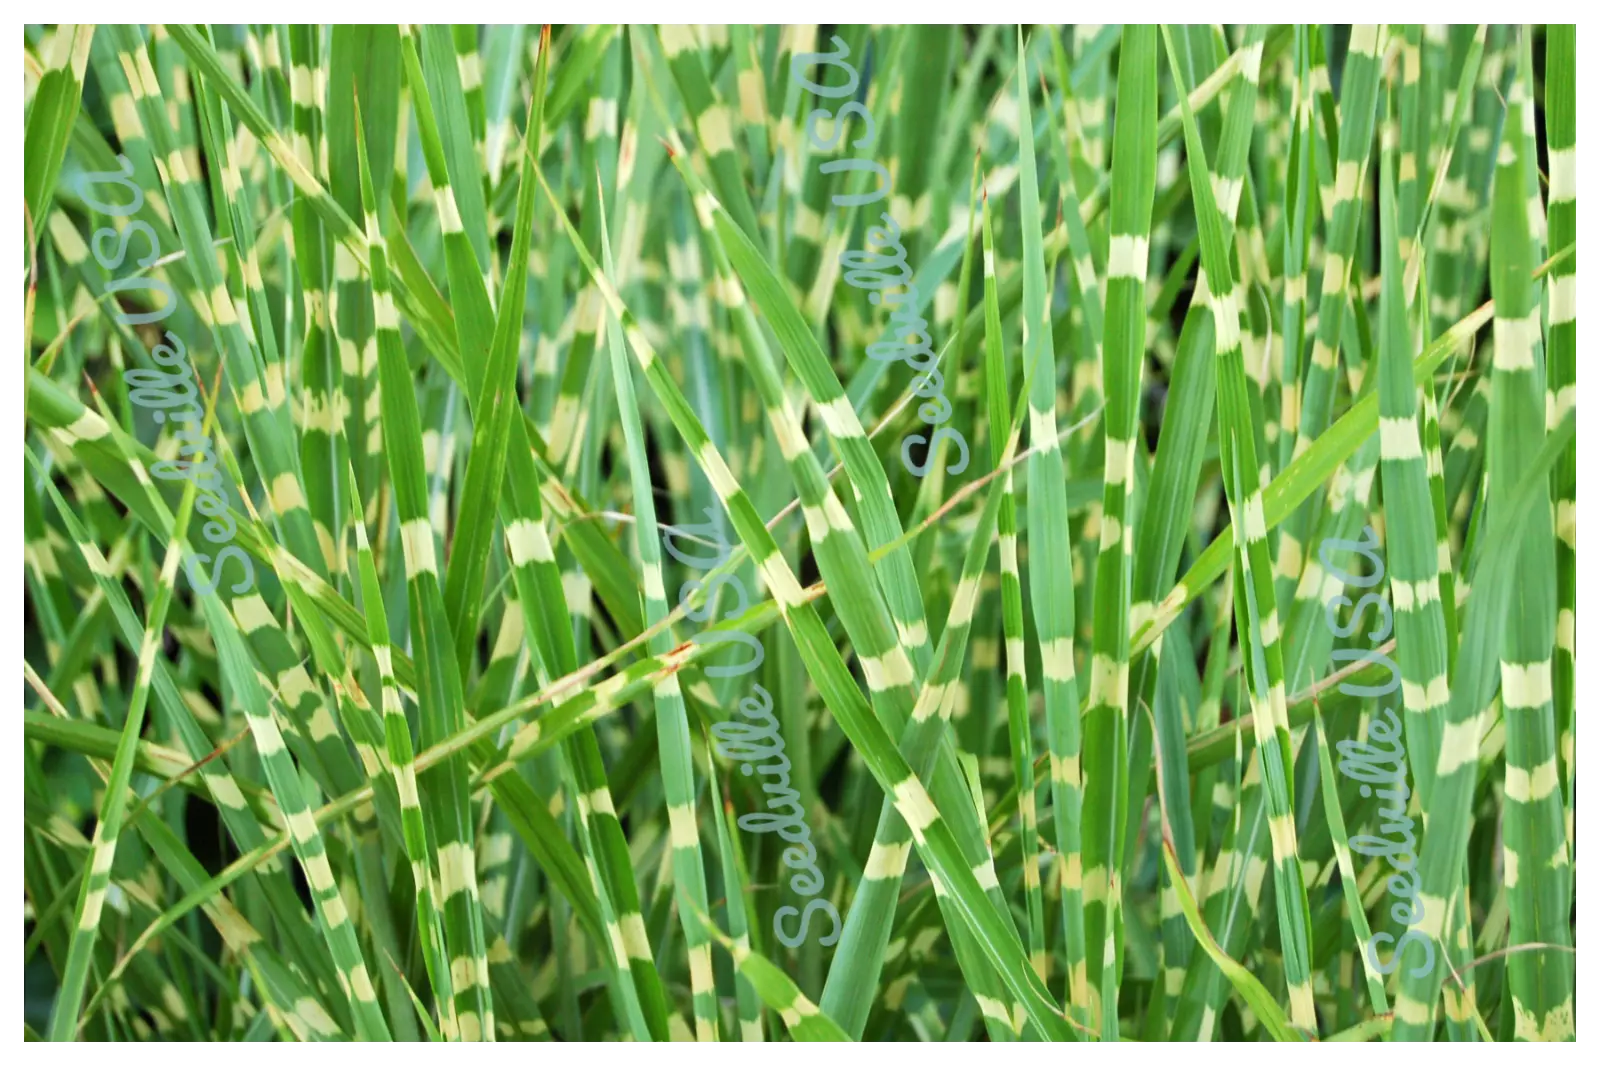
{"x": 1254, "y": 600}
{"x": 439, "y": 688}
{"x": 672, "y": 722}
{"x": 1105, "y": 722}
